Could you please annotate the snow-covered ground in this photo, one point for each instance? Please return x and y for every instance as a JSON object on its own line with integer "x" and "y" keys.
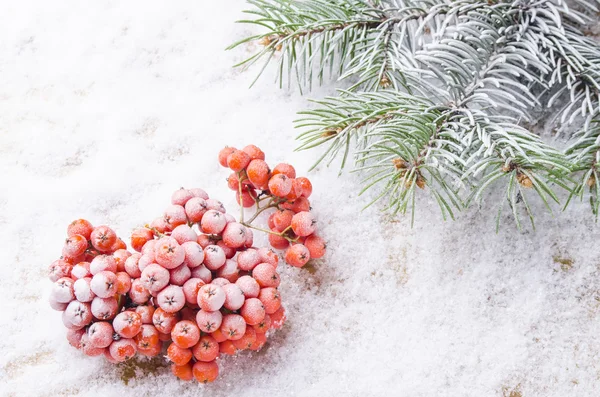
{"x": 107, "y": 107}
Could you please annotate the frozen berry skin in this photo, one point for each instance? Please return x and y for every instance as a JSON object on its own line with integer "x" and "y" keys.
{"x": 181, "y": 196}
{"x": 316, "y": 246}
{"x": 185, "y": 334}
{"x": 297, "y": 255}
{"x": 62, "y": 290}
{"x": 253, "y": 311}
{"x": 180, "y": 275}
{"x": 270, "y": 299}
{"x": 138, "y": 293}
{"x": 58, "y": 269}
{"x": 229, "y": 252}
{"x": 220, "y": 281}
{"x": 149, "y": 248}
{"x": 234, "y": 235}
{"x": 209, "y": 321}
{"x": 174, "y": 216}
{"x": 183, "y": 372}
{"x": 247, "y": 260}
{"x": 103, "y": 238}
{"x": 261, "y": 338}
{"x": 306, "y": 186}
{"x": 147, "y": 340}
{"x": 123, "y": 283}
{"x": 146, "y": 312}
{"x": 123, "y": 349}
{"x": 280, "y": 185}
{"x": 184, "y": 233}
{"x": 285, "y": 169}
{"x": 103, "y": 263}
{"x": 205, "y": 372}
{"x": 282, "y": 219}
{"x": 178, "y": 355}
{"x": 155, "y": 277}
{"x": 197, "y": 192}
{"x": 213, "y": 222}
{"x": 171, "y": 299}
{"x": 214, "y": 257}
{"x": 218, "y": 335}
{"x": 263, "y": 325}
{"x": 58, "y": 306}
{"x": 246, "y": 341}
{"x": 224, "y": 154}
{"x": 120, "y": 256}
{"x": 266, "y": 275}
{"x": 168, "y": 253}
{"x": 238, "y": 160}
{"x": 104, "y": 308}
{"x": 131, "y": 265}
{"x": 66, "y": 319}
{"x": 79, "y": 313}
{"x": 215, "y": 205}
{"x": 211, "y": 297}
{"x": 82, "y": 289}
{"x": 163, "y": 321}
{"x": 233, "y": 326}
{"x": 278, "y": 318}
{"x": 139, "y": 237}
{"x": 267, "y": 255}
{"x": 160, "y": 225}
{"x": 88, "y": 349}
{"x": 194, "y": 254}
{"x": 249, "y": 238}
{"x": 258, "y": 173}
{"x": 295, "y": 192}
{"x": 195, "y": 209}
{"x": 81, "y": 227}
{"x": 75, "y": 246}
{"x": 144, "y": 261}
{"x": 229, "y": 271}
{"x": 118, "y": 245}
{"x": 100, "y": 334}
{"x": 204, "y": 240}
{"x": 233, "y": 182}
{"x": 207, "y": 349}
{"x": 234, "y": 297}
{"x": 248, "y": 198}
{"x": 127, "y": 324}
{"x": 190, "y": 290}
{"x": 249, "y": 286}
{"x": 202, "y": 273}
{"x": 227, "y": 347}
{"x": 304, "y": 224}
{"x": 74, "y": 337}
{"x": 278, "y": 242}
{"x": 104, "y": 284}
{"x": 254, "y": 152}
{"x": 299, "y": 205}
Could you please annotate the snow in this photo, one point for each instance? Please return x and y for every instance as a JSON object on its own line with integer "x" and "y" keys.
{"x": 106, "y": 108}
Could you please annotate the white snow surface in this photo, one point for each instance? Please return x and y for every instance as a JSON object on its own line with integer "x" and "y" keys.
{"x": 107, "y": 107}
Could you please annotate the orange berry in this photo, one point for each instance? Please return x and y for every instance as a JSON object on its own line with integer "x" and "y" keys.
{"x": 207, "y": 349}
{"x": 261, "y": 339}
{"x": 185, "y": 334}
{"x": 278, "y": 242}
{"x": 304, "y": 223}
{"x": 258, "y": 173}
{"x": 270, "y": 299}
{"x": 218, "y": 335}
{"x": 80, "y": 226}
{"x": 298, "y": 205}
{"x": 282, "y": 219}
{"x": 297, "y": 255}
{"x": 266, "y": 275}
{"x": 122, "y": 349}
{"x": 238, "y": 160}
{"x": 285, "y": 169}
{"x": 264, "y": 325}
{"x": 306, "y": 186}
{"x": 139, "y": 237}
{"x": 163, "y": 321}
{"x": 246, "y": 341}
{"x": 183, "y": 372}
{"x": 280, "y": 185}
{"x": 227, "y": 347}
{"x": 147, "y": 339}
{"x": 296, "y": 190}
{"x": 254, "y": 152}
{"x": 224, "y": 153}
{"x": 248, "y": 198}
{"x": 316, "y": 246}
{"x": 278, "y": 318}
{"x": 127, "y": 324}
{"x": 253, "y": 311}
{"x": 205, "y": 372}
{"x": 233, "y": 326}
{"x": 179, "y": 356}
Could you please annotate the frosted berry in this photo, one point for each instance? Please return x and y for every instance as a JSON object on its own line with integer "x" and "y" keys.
{"x": 185, "y": 334}
{"x": 224, "y": 153}
{"x": 211, "y": 297}
{"x": 174, "y": 216}
{"x": 270, "y": 299}
{"x": 229, "y": 271}
{"x": 154, "y": 278}
{"x": 62, "y": 290}
{"x": 120, "y": 256}
{"x": 79, "y": 313}
{"x": 160, "y": 225}
{"x": 306, "y": 186}
{"x": 123, "y": 283}
{"x": 147, "y": 340}
{"x": 278, "y": 242}
{"x": 278, "y": 318}
{"x": 205, "y": 372}
{"x": 180, "y": 275}
{"x": 297, "y": 255}
{"x": 103, "y": 238}
{"x": 282, "y": 219}
{"x": 248, "y": 198}
{"x": 104, "y": 284}
{"x": 227, "y": 347}
{"x": 103, "y": 263}
{"x": 207, "y": 349}
{"x": 249, "y": 286}
{"x": 146, "y": 312}
{"x": 266, "y": 275}
{"x": 229, "y": 252}
{"x": 214, "y": 257}
{"x": 183, "y": 372}
{"x": 190, "y": 290}
{"x": 88, "y": 349}
{"x": 234, "y": 235}
{"x": 269, "y": 256}
{"x": 209, "y": 321}
{"x": 233, "y": 326}
{"x": 254, "y": 152}
{"x": 184, "y": 233}
{"x": 258, "y": 173}
{"x": 169, "y": 253}
{"x": 82, "y": 290}
{"x": 74, "y": 337}
{"x": 253, "y": 311}
{"x": 197, "y": 192}
{"x": 123, "y": 349}
{"x": 263, "y": 325}
{"x": 75, "y": 246}
{"x": 81, "y": 227}
{"x": 138, "y": 293}
{"x": 181, "y": 196}
{"x": 58, "y": 269}
{"x": 194, "y": 254}
{"x": 100, "y": 334}
{"x": 246, "y": 341}
{"x": 280, "y": 185}
{"x": 58, "y": 306}
{"x": 195, "y": 209}
{"x": 285, "y": 169}
{"x": 304, "y": 223}
{"x": 131, "y": 265}
{"x": 104, "y": 308}
{"x": 316, "y": 246}
{"x": 178, "y": 355}
{"x": 202, "y": 273}
{"x": 171, "y": 299}
{"x": 215, "y": 205}
{"x": 234, "y": 297}
{"x": 139, "y": 237}
{"x": 220, "y": 281}
{"x": 213, "y": 222}
{"x": 127, "y": 324}
{"x": 163, "y": 321}
{"x": 248, "y": 259}
{"x": 238, "y": 160}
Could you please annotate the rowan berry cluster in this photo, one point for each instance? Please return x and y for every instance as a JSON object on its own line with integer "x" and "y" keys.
{"x": 195, "y": 285}
{"x": 292, "y": 225}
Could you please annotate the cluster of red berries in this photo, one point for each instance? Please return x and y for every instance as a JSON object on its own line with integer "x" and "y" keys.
{"x": 292, "y": 226}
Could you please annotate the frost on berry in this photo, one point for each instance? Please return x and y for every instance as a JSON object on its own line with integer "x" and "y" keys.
{"x": 131, "y": 265}
{"x": 163, "y": 321}
{"x": 181, "y": 196}
{"x": 81, "y": 270}
{"x": 103, "y": 263}
{"x": 304, "y": 223}
{"x": 154, "y": 277}
{"x": 184, "y": 233}
{"x": 207, "y": 349}
{"x": 103, "y": 238}
{"x": 211, "y": 297}
{"x": 127, "y": 324}
{"x": 316, "y": 246}
{"x": 190, "y": 290}
{"x": 194, "y": 254}
{"x": 138, "y": 293}
{"x": 197, "y": 192}
{"x": 139, "y": 237}
{"x": 209, "y": 321}
{"x": 202, "y": 273}
{"x": 248, "y": 259}
{"x": 229, "y": 252}
{"x": 169, "y": 253}
{"x": 185, "y": 334}
{"x": 269, "y": 256}
{"x": 82, "y": 289}
{"x": 205, "y": 372}
{"x": 249, "y": 286}
{"x": 214, "y": 257}
{"x": 270, "y": 299}
{"x": 246, "y": 341}
{"x": 253, "y": 311}
{"x": 104, "y": 284}
{"x": 179, "y": 356}
{"x": 233, "y": 326}
{"x": 234, "y": 235}
{"x": 123, "y": 349}
{"x": 180, "y": 275}
{"x": 81, "y": 227}
{"x": 297, "y": 255}
{"x": 174, "y": 216}
{"x": 75, "y": 246}
{"x": 171, "y": 299}
{"x": 195, "y": 209}
{"x": 79, "y": 313}
{"x": 280, "y": 185}
{"x": 285, "y": 169}
{"x": 213, "y": 222}
{"x": 62, "y": 290}
{"x": 100, "y": 334}
{"x": 229, "y": 271}
{"x": 234, "y": 297}
{"x": 104, "y": 308}
{"x": 266, "y": 275}
{"x": 58, "y": 269}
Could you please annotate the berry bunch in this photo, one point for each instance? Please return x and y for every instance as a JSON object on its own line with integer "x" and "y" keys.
{"x": 292, "y": 226}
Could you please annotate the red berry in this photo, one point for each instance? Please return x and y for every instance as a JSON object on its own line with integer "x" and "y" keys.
{"x": 178, "y": 355}
{"x": 270, "y": 299}
{"x": 246, "y": 341}
{"x": 184, "y": 233}
{"x": 194, "y": 254}
{"x": 297, "y": 255}
{"x": 62, "y": 290}
{"x": 181, "y": 196}
{"x": 211, "y": 297}
{"x": 227, "y": 347}
{"x": 190, "y": 290}
{"x": 248, "y": 198}
{"x": 146, "y": 312}
{"x": 103, "y": 238}
{"x": 78, "y": 313}
{"x": 214, "y": 257}
{"x": 180, "y": 275}
{"x": 58, "y": 269}
{"x": 155, "y": 277}
{"x": 207, "y": 349}
{"x": 100, "y": 334}
{"x": 229, "y": 271}
{"x": 171, "y": 299}
{"x": 175, "y": 216}
{"x": 234, "y": 297}
{"x": 75, "y": 246}
{"x": 147, "y": 340}
{"x": 103, "y": 263}
{"x": 233, "y": 326}
{"x": 238, "y": 160}
{"x": 123, "y": 349}
{"x": 195, "y": 209}
{"x": 74, "y": 337}
{"x": 264, "y": 325}
{"x": 278, "y": 242}
{"x": 280, "y": 185}
{"x": 224, "y": 153}
{"x": 247, "y": 260}
{"x": 138, "y": 293}
{"x": 304, "y": 224}
{"x": 253, "y": 311}
{"x": 168, "y": 253}
{"x": 254, "y": 152}
{"x": 88, "y": 349}
{"x": 104, "y": 308}
{"x": 205, "y": 372}
{"x": 249, "y": 286}
{"x": 131, "y": 265}
{"x": 282, "y": 219}
{"x": 316, "y": 246}
{"x": 185, "y": 334}
{"x": 163, "y": 321}
{"x": 127, "y": 324}
{"x": 213, "y": 222}
{"x": 278, "y": 318}
{"x": 83, "y": 291}
{"x": 285, "y": 169}
{"x": 183, "y": 372}
{"x": 234, "y": 235}
{"x": 80, "y": 226}
{"x": 139, "y": 237}
{"x": 209, "y": 321}
{"x": 266, "y": 275}
{"x": 269, "y": 256}
{"x": 258, "y": 173}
